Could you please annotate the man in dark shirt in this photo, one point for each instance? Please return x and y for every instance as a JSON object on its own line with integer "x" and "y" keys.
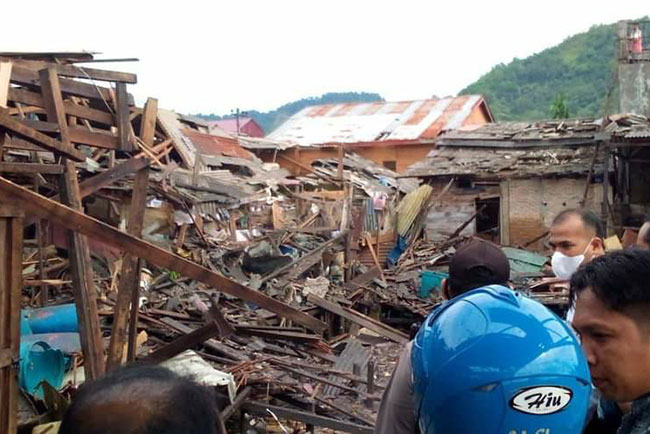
{"x": 612, "y": 305}
{"x": 476, "y": 264}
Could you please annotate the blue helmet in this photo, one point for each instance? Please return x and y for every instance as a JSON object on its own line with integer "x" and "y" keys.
{"x": 494, "y": 361}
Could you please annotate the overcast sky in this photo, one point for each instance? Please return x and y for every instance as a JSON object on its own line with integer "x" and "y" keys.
{"x": 214, "y": 56}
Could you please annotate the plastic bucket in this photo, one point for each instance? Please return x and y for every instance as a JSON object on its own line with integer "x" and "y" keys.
{"x": 52, "y": 319}
{"x": 429, "y": 281}
{"x": 39, "y": 362}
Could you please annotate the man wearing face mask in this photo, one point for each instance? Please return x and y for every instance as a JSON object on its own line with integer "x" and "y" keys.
{"x": 576, "y": 237}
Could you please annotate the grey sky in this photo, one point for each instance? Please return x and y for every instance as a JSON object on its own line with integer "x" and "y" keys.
{"x": 214, "y": 56}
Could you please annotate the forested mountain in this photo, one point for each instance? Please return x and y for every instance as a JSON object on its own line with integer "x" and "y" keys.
{"x": 579, "y": 71}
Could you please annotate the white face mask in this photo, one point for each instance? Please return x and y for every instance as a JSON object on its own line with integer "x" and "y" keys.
{"x": 564, "y": 266}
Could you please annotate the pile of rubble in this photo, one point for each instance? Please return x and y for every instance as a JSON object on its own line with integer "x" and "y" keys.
{"x": 168, "y": 241}
{"x": 165, "y": 240}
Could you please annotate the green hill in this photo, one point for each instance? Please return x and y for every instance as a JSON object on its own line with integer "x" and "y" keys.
{"x": 272, "y": 119}
{"x": 580, "y": 68}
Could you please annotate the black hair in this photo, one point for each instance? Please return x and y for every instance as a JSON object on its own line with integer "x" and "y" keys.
{"x": 588, "y": 217}
{"x": 476, "y": 277}
{"x": 142, "y": 399}
{"x": 619, "y": 279}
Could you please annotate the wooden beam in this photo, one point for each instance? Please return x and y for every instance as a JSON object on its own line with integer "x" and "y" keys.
{"x": 53, "y": 102}
{"x": 24, "y": 96}
{"x": 122, "y": 170}
{"x": 360, "y": 319}
{"x": 148, "y": 122}
{"x": 82, "y": 282}
{"x": 70, "y": 218}
{"x": 11, "y": 247}
{"x": 185, "y": 342}
{"x": 212, "y": 344}
{"x": 16, "y": 143}
{"x": 374, "y": 256}
{"x": 261, "y": 408}
{"x": 28, "y": 77}
{"x": 96, "y": 138}
{"x": 18, "y": 128}
{"x": 5, "y": 78}
{"x": 31, "y": 168}
{"x": 75, "y": 71}
{"x": 130, "y": 276}
{"x": 123, "y": 123}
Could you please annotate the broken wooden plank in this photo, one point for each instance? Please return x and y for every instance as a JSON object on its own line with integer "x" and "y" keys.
{"x": 18, "y": 128}
{"x": 374, "y": 257}
{"x": 362, "y": 279}
{"x": 360, "y": 319}
{"x": 31, "y": 168}
{"x": 5, "y": 78}
{"x": 70, "y": 218}
{"x": 212, "y": 344}
{"x": 148, "y": 121}
{"x": 24, "y": 96}
{"x": 53, "y": 102}
{"x": 97, "y": 138}
{"x": 83, "y": 283}
{"x": 75, "y": 71}
{"x": 241, "y": 397}
{"x": 28, "y": 77}
{"x": 185, "y": 342}
{"x": 130, "y": 276}
{"x": 122, "y": 170}
{"x": 134, "y": 264}
{"x": 11, "y": 246}
{"x": 123, "y": 123}
{"x": 279, "y": 335}
{"x": 261, "y": 408}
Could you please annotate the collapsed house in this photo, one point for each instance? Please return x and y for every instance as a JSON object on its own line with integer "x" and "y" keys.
{"x": 509, "y": 180}
{"x": 160, "y": 239}
{"x": 392, "y": 134}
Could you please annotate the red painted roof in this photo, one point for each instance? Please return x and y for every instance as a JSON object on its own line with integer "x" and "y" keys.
{"x": 208, "y": 144}
{"x": 230, "y": 125}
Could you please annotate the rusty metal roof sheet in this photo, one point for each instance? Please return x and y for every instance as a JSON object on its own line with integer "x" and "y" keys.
{"x": 406, "y": 121}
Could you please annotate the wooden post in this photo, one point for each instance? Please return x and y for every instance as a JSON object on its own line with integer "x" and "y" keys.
{"x": 130, "y": 276}
{"x": 370, "y": 383}
{"x": 82, "y": 282}
{"x": 81, "y": 270}
{"x": 11, "y": 249}
{"x": 123, "y": 123}
{"x": 139, "y": 203}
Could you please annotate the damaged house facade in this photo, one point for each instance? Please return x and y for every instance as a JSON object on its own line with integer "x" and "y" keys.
{"x": 392, "y": 134}
{"x": 513, "y": 178}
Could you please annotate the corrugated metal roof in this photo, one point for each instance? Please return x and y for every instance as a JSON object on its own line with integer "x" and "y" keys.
{"x": 212, "y": 145}
{"x": 376, "y": 122}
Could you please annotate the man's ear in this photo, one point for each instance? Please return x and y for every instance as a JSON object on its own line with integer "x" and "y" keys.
{"x": 598, "y": 245}
{"x": 445, "y": 289}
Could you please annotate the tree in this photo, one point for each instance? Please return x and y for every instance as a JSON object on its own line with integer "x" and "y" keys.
{"x": 560, "y": 108}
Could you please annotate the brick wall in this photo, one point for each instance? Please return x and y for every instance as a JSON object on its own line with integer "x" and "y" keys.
{"x": 534, "y": 203}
